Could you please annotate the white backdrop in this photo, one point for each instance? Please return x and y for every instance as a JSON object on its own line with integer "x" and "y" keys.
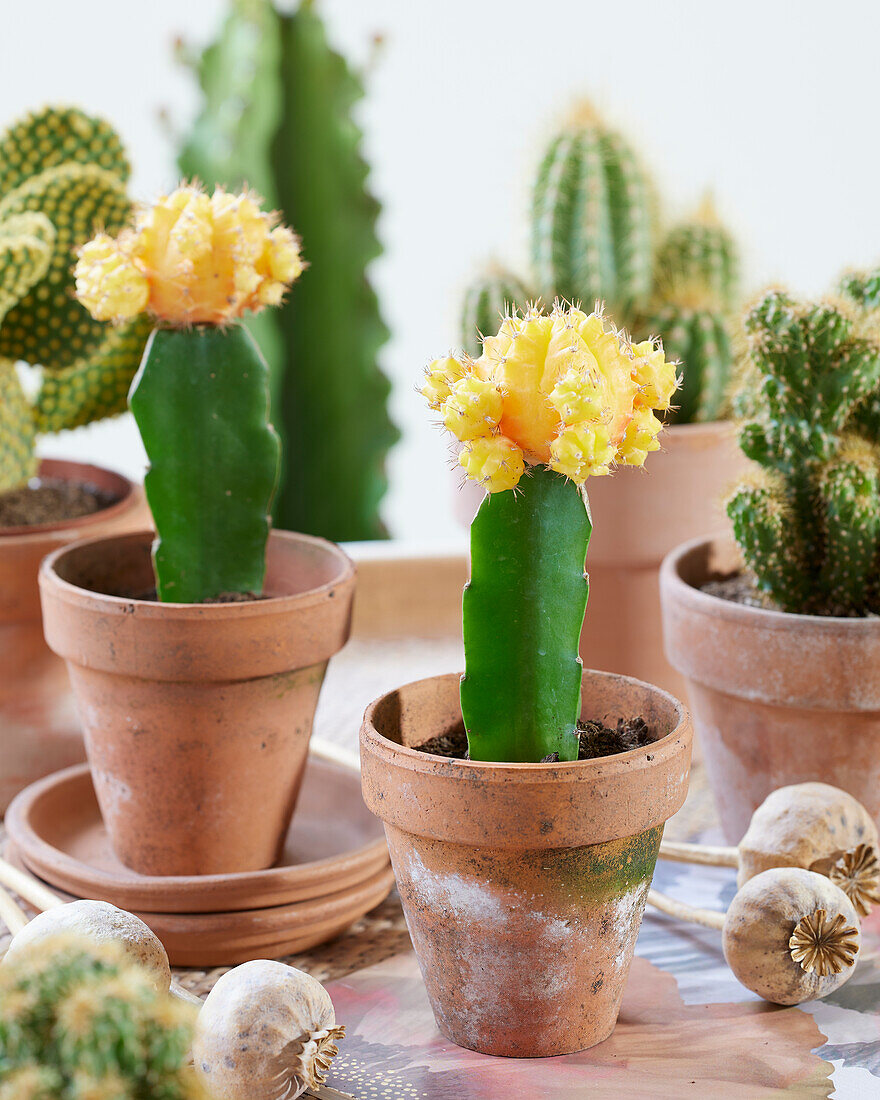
{"x": 773, "y": 103}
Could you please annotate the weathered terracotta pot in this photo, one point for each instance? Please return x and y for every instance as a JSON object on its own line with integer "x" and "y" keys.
{"x": 196, "y": 717}
{"x": 523, "y": 885}
{"x": 638, "y": 517}
{"x": 777, "y": 698}
{"x": 39, "y": 731}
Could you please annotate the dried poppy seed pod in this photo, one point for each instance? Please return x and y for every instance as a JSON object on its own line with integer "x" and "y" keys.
{"x": 791, "y": 936}
{"x": 265, "y": 1032}
{"x": 99, "y": 922}
{"x": 820, "y": 828}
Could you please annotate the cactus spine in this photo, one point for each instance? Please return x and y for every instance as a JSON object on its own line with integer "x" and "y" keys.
{"x": 809, "y": 524}
{"x": 277, "y": 114}
{"x": 62, "y": 175}
{"x": 487, "y": 301}
{"x": 79, "y": 1019}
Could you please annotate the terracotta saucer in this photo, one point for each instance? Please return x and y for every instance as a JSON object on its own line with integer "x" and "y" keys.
{"x": 334, "y": 845}
{"x": 225, "y": 939}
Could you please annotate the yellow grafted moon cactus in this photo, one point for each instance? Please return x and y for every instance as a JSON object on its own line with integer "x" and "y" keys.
{"x": 562, "y": 389}
{"x": 190, "y": 258}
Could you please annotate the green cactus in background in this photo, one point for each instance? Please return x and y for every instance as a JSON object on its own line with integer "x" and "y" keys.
{"x": 593, "y": 219}
{"x": 595, "y": 235}
{"x": 62, "y": 175}
{"x": 809, "y": 523}
{"x": 696, "y": 290}
{"x": 79, "y": 1019}
{"x": 486, "y": 301}
{"x": 277, "y": 114}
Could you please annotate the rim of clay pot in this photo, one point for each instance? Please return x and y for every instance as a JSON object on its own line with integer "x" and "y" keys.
{"x": 780, "y": 658}
{"x": 66, "y": 470}
{"x": 694, "y": 559}
{"x": 531, "y": 785}
{"x": 88, "y": 599}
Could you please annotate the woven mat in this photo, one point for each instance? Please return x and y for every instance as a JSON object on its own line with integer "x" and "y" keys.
{"x": 382, "y": 933}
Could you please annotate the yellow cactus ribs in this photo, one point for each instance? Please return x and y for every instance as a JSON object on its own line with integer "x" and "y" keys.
{"x": 190, "y": 258}
{"x": 562, "y": 389}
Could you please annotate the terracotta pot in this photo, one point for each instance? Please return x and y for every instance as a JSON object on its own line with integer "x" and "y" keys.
{"x": 523, "y": 885}
{"x": 39, "y": 731}
{"x": 638, "y": 517}
{"x": 777, "y": 698}
{"x": 196, "y": 717}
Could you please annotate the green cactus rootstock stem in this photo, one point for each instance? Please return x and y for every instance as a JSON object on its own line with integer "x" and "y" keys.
{"x": 523, "y": 610}
{"x": 278, "y": 115}
{"x": 201, "y": 401}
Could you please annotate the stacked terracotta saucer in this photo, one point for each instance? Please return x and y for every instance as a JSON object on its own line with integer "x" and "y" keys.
{"x": 334, "y": 868}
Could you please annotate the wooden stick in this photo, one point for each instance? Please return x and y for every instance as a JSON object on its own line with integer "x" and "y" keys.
{"x": 11, "y": 914}
{"x": 27, "y": 887}
{"x": 709, "y": 918}
{"x": 710, "y": 855}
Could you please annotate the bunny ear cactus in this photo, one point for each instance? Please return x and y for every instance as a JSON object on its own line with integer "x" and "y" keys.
{"x": 79, "y": 1020}
{"x": 196, "y": 263}
{"x": 696, "y": 291}
{"x": 593, "y": 219}
{"x": 277, "y": 114}
{"x": 62, "y": 175}
{"x": 552, "y": 400}
{"x": 487, "y": 301}
{"x": 809, "y": 523}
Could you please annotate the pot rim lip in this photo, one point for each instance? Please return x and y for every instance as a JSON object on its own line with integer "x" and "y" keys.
{"x": 503, "y": 771}
{"x": 91, "y": 600}
{"x": 672, "y": 581}
{"x": 34, "y": 532}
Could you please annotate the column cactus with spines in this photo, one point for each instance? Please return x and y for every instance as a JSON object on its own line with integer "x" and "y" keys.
{"x": 487, "y": 301}
{"x": 277, "y": 114}
{"x": 696, "y": 291}
{"x": 593, "y": 219}
{"x": 62, "y": 176}
{"x": 78, "y": 1019}
{"x": 809, "y": 524}
{"x": 553, "y": 399}
{"x": 196, "y": 264}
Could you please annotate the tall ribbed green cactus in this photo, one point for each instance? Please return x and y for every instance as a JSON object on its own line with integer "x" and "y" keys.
{"x": 62, "y": 176}
{"x": 593, "y": 221}
{"x": 278, "y": 115}
{"x": 78, "y": 1019}
{"x": 809, "y": 524}
{"x": 489, "y": 298}
{"x": 595, "y": 235}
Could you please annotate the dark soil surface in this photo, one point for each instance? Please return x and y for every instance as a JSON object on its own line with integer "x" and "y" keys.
{"x": 596, "y": 739}
{"x": 150, "y": 596}
{"x": 52, "y": 500}
{"x": 740, "y": 588}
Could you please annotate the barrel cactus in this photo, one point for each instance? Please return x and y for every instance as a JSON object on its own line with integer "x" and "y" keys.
{"x": 62, "y": 176}
{"x": 79, "y": 1019}
{"x": 596, "y": 235}
{"x": 808, "y": 522}
{"x": 277, "y": 115}
{"x": 554, "y": 399}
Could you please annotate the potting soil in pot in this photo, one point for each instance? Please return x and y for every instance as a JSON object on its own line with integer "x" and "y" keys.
{"x": 596, "y": 739}
{"x": 52, "y": 500}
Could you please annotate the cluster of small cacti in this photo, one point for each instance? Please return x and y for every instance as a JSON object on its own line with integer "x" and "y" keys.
{"x": 277, "y": 115}
{"x": 595, "y": 236}
{"x": 62, "y": 175}
{"x": 80, "y": 1021}
{"x": 196, "y": 263}
{"x": 808, "y": 523}
{"x": 552, "y": 400}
